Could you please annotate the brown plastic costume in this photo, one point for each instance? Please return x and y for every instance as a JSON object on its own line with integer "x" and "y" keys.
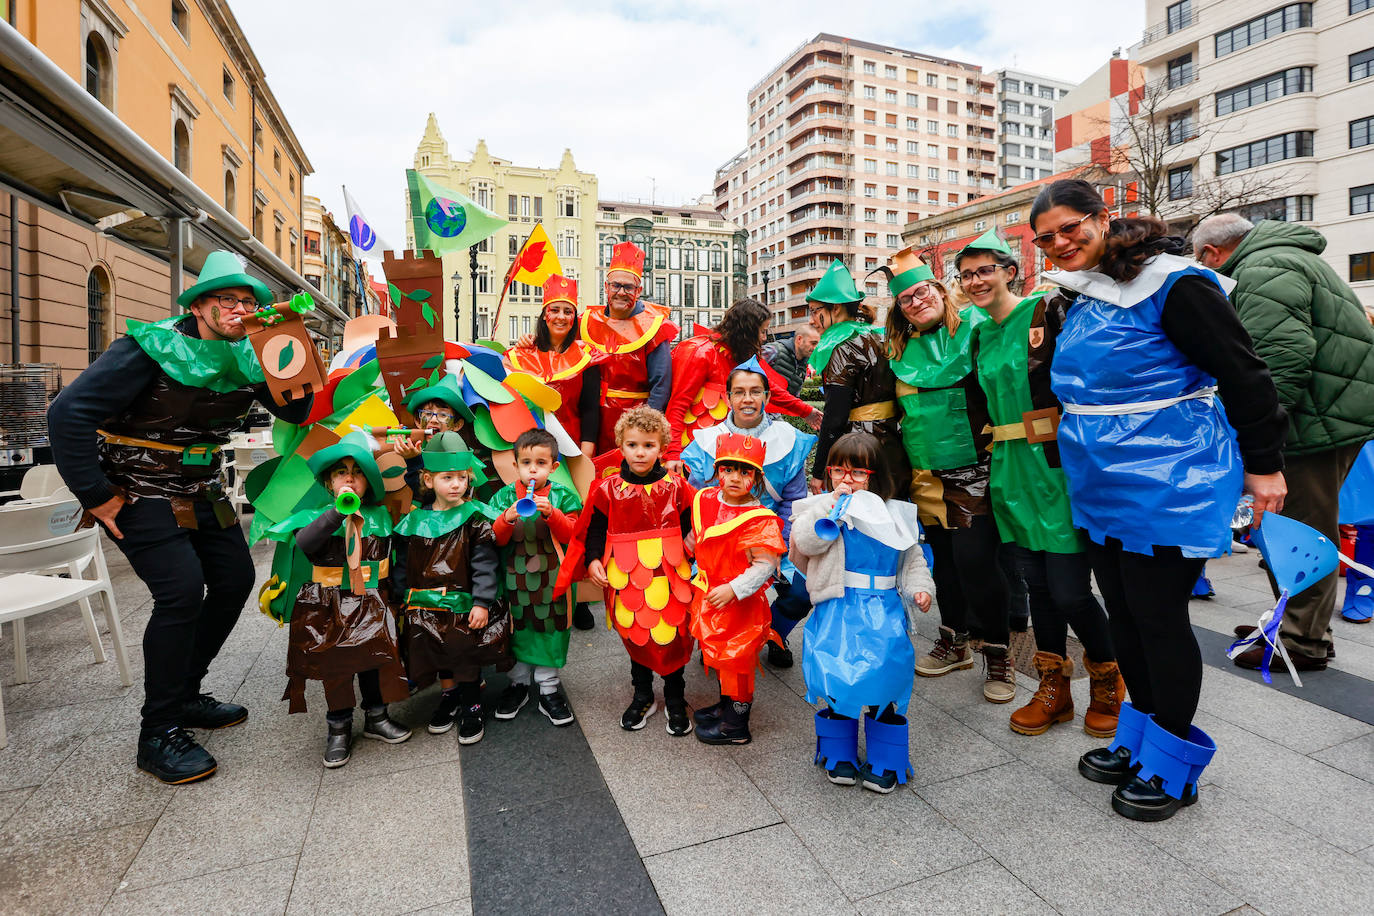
{"x": 861, "y": 363}
{"x": 440, "y": 639}
{"x": 336, "y": 634}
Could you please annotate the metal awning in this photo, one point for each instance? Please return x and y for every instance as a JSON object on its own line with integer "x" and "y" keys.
{"x": 63, "y": 150}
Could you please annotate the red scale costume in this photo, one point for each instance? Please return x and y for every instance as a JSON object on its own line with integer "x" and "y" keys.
{"x": 625, "y": 343}
{"x": 728, "y": 540}
{"x": 563, "y": 372}
{"x": 701, "y": 368}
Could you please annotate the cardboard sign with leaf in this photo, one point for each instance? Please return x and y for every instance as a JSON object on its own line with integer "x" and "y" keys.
{"x": 412, "y": 354}
{"x": 290, "y": 362}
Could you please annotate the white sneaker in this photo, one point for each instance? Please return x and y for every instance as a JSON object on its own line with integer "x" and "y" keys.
{"x": 1239, "y": 547}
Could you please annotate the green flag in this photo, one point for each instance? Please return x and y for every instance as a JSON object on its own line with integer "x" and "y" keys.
{"x": 445, "y": 220}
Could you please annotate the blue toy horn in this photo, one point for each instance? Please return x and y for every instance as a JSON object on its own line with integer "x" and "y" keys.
{"x": 828, "y": 528}
{"x": 525, "y": 506}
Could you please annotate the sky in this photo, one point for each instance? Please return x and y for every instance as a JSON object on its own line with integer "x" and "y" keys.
{"x": 650, "y": 96}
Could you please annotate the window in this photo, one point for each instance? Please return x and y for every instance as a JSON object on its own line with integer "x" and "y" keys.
{"x": 181, "y": 147}
{"x": 1362, "y": 266}
{"x": 913, "y": 148}
{"x": 1179, "y": 15}
{"x": 98, "y": 69}
{"x": 227, "y": 86}
{"x": 1011, "y": 107}
{"x": 1014, "y": 217}
{"x": 1009, "y": 85}
{"x": 871, "y": 166}
{"x": 257, "y": 221}
{"x": 1296, "y": 209}
{"x": 932, "y": 151}
{"x": 911, "y": 100}
{"x": 1283, "y": 19}
{"x": 1011, "y": 128}
{"x": 1359, "y": 6}
{"x": 913, "y": 196}
{"x": 1045, "y": 154}
{"x": 870, "y": 92}
{"x": 1181, "y": 183}
{"x": 514, "y": 328}
{"x": 512, "y": 246}
{"x": 1181, "y": 127}
{"x": 524, "y": 206}
{"x": 932, "y": 79}
{"x": 913, "y": 171}
{"x": 1362, "y": 200}
{"x": 229, "y": 194}
{"x": 97, "y": 291}
{"x": 1180, "y": 71}
{"x": 257, "y": 135}
{"x": 291, "y": 182}
{"x": 1263, "y": 152}
{"x": 870, "y": 68}
{"x": 889, "y": 72}
{"x": 1011, "y": 149}
{"x": 539, "y": 208}
{"x": 870, "y": 190}
{"x": 932, "y": 173}
{"x": 1361, "y": 64}
{"x": 951, "y": 176}
{"x": 276, "y": 160}
{"x": 893, "y": 240}
{"x": 1047, "y": 92}
{"x": 1362, "y": 132}
{"x": 1011, "y": 171}
{"x": 912, "y": 124}
{"x": 568, "y": 205}
{"x": 890, "y": 96}
{"x": 870, "y": 216}
{"x": 932, "y": 127}
{"x": 1273, "y": 86}
{"x": 892, "y": 169}
{"x": 512, "y": 205}
{"x": 181, "y": 19}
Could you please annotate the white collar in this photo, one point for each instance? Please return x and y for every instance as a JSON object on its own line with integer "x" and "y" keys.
{"x": 892, "y": 523}
{"x": 1152, "y": 275}
{"x": 778, "y": 438}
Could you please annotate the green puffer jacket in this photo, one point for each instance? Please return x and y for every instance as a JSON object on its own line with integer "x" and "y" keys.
{"x": 1311, "y": 330}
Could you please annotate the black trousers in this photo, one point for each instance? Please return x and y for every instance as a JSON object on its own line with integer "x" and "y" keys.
{"x": 199, "y": 580}
{"x": 1147, "y": 600}
{"x": 969, "y": 586}
{"x": 369, "y": 693}
{"x": 1060, "y": 589}
{"x": 674, "y": 684}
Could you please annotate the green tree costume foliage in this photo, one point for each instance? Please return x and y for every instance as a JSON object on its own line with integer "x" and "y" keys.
{"x": 531, "y": 563}
{"x": 219, "y": 365}
{"x": 1030, "y": 499}
{"x": 935, "y": 425}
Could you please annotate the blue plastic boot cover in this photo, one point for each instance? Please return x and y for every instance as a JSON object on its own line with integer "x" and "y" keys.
{"x": 886, "y": 747}
{"x": 1202, "y": 588}
{"x": 837, "y": 739}
{"x": 1177, "y": 762}
{"x": 1130, "y": 724}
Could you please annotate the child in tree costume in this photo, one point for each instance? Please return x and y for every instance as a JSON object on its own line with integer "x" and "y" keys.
{"x": 630, "y": 542}
{"x": 342, "y": 623}
{"x": 454, "y": 625}
{"x": 737, "y": 543}
{"x": 532, "y": 548}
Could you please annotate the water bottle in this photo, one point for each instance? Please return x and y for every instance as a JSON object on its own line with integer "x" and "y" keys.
{"x": 1245, "y": 513}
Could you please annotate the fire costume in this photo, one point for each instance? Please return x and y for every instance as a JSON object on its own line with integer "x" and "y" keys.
{"x": 574, "y": 372}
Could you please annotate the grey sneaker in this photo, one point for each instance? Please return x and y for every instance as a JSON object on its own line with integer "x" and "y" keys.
{"x": 999, "y": 680}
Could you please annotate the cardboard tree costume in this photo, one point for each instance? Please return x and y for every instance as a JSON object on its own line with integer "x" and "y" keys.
{"x": 944, "y": 411}
{"x": 532, "y": 550}
{"x": 451, "y": 557}
{"x": 340, "y": 626}
{"x": 728, "y": 538}
{"x": 625, "y": 342}
{"x": 288, "y": 356}
{"x": 851, "y": 354}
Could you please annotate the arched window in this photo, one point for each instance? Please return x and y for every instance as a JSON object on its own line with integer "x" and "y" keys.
{"x": 97, "y": 295}
{"x": 181, "y": 147}
{"x": 229, "y": 191}
{"x": 98, "y": 67}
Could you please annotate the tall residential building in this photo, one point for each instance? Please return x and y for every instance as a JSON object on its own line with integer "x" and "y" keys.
{"x": 1090, "y": 115}
{"x": 1275, "y": 103}
{"x": 691, "y": 257}
{"x": 563, "y": 199}
{"x": 848, "y": 142}
{"x": 1025, "y": 114}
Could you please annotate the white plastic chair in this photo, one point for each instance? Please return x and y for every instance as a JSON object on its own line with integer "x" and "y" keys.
{"x": 40, "y": 482}
{"x": 248, "y": 454}
{"x": 25, "y": 593}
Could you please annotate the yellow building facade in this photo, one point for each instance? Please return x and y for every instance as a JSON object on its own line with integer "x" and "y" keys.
{"x": 563, "y": 199}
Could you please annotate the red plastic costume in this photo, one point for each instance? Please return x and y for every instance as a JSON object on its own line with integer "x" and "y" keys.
{"x": 560, "y": 371}
{"x": 650, "y": 590}
{"x": 727, "y": 539}
{"x": 701, "y": 367}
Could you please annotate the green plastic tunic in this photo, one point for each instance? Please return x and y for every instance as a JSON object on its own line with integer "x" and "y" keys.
{"x": 935, "y": 425}
{"x": 1030, "y": 499}
{"x": 219, "y": 365}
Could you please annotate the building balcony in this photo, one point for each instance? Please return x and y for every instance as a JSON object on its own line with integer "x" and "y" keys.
{"x": 819, "y": 68}
{"x": 817, "y": 169}
{"x": 818, "y": 120}
{"x": 1160, "y": 42}
{"x": 819, "y": 194}
{"x": 816, "y": 92}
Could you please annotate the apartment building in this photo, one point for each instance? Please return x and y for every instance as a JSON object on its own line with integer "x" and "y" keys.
{"x": 1025, "y": 120}
{"x": 848, "y": 142}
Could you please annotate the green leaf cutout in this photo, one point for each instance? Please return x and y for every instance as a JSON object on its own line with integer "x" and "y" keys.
{"x": 395, "y": 292}
{"x": 433, "y": 362}
{"x": 285, "y": 355}
{"x": 428, "y": 312}
{"x": 435, "y": 377}
{"x": 418, "y": 383}
{"x": 420, "y": 295}
{"x": 396, "y": 471}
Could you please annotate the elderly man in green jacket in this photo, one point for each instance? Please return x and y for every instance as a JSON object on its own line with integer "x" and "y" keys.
{"x": 1311, "y": 330}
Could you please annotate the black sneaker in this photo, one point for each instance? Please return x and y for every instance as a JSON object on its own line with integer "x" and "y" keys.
{"x": 874, "y": 782}
{"x": 679, "y": 722}
{"x": 204, "y": 711}
{"x": 582, "y": 616}
{"x": 444, "y": 713}
{"x": 640, "y": 709}
{"x": 555, "y": 706}
{"x": 513, "y": 699}
{"x": 708, "y": 714}
{"x": 779, "y": 656}
{"x": 471, "y": 727}
{"x": 843, "y": 773}
{"x": 382, "y": 727}
{"x": 173, "y": 756}
{"x": 338, "y": 745}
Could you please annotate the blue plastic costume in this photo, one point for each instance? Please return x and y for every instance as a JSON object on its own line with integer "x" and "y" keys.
{"x": 1148, "y": 453}
{"x": 1357, "y": 508}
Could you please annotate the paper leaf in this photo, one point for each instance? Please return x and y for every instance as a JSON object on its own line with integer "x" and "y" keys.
{"x": 395, "y": 292}
{"x": 396, "y": 471}
{"x": 418, "y": 383}
{"x": 285, "y": 355}
{"x": 420, "y": 295}
{"x": 428, "y": 312}
{"x": 436, "y": 376}
{"x": 432, "y": 362}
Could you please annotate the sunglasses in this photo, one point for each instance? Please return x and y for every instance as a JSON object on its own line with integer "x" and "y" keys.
{"x": 1046, "y": 239}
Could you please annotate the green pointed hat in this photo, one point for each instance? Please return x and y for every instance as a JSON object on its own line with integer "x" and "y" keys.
{"x": 357, "y": 446}
{"x": 906, "y": 271}
{"x": 445, "y": 391}
{"x": 989, "y": 241}
{"x": 447, "y": 451}
{"x": 222, "y": 270}
{"x": 836, "y": 287}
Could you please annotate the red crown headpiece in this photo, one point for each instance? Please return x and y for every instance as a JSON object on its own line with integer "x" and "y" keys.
{"x": 560, "y": 289}
{"x": 627, "y": 256}
{"x": 740, "y": 448}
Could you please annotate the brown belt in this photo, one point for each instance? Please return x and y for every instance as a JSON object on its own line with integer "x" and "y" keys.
{"x": 1035, "y": 426}
{"x": 190, "y": 454}
{"x": 333, "y": 575}
{"x": 879, "y": 410}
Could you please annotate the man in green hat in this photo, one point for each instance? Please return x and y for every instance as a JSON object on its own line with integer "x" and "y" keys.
{"x": 137, "y": 438}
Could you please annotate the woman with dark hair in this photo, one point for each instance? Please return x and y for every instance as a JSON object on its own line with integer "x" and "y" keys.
{"x": 1149, "y": 351}
{"x": 1028, "y": 494}
{"x": 851, "y": 360}
{"x": 944, "y": 415}
{"x": 702, "y": 367}
{"x": 565, "y": 363}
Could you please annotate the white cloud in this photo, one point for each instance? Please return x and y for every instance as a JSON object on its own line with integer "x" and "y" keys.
{"x": 647, "y": 95}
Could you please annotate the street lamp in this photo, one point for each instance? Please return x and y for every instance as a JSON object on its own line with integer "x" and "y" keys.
{"x": 767, "y": 258}
{"x": 457, "y": 279}
{"x": 472, "y": 268}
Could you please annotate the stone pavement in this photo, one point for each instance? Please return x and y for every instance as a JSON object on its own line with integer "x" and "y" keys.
{"x": 595, "y": 819}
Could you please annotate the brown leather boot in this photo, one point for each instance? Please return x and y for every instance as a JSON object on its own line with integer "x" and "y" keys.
{"x": 1108, "y": 690}
{"x": 1052, "y": 701}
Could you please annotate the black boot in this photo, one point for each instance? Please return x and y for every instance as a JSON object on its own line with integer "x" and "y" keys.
{"x": 1146, "y": 801}
{"x": 779, "y": 656}
{"x": 377, "y": 724}
{"x": 1108, "y": 767}
{"x": 731, "y": 728}
{"x": 173, "y": 756}
{"x": 582, "y": 616}
{"x": 708, "y": 714}
{"x": 204, "y": 711}
{"x": 338, "y": 744}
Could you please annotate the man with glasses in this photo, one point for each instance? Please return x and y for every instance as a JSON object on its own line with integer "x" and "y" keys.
{"x": 137, "y": 438}
{"x": 635, "y": 336}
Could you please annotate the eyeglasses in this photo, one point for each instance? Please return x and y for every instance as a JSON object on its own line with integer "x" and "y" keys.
{"x": 983, "y": 273}
{"x": 622, "y": 287}
{"x": 858, "y": 475}
{"x": 445, "y": 415}
{"x": 233, "y": 302}
{"x": 1046, "y": 239}
{"x": 924, "y": 291}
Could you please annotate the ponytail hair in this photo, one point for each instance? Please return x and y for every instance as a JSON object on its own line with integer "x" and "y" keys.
{"x": 1130, "y": 241}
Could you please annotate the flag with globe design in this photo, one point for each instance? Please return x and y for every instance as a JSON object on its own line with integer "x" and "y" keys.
{"x": 366, "y": 241}
{"x": 444, "y": 220}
